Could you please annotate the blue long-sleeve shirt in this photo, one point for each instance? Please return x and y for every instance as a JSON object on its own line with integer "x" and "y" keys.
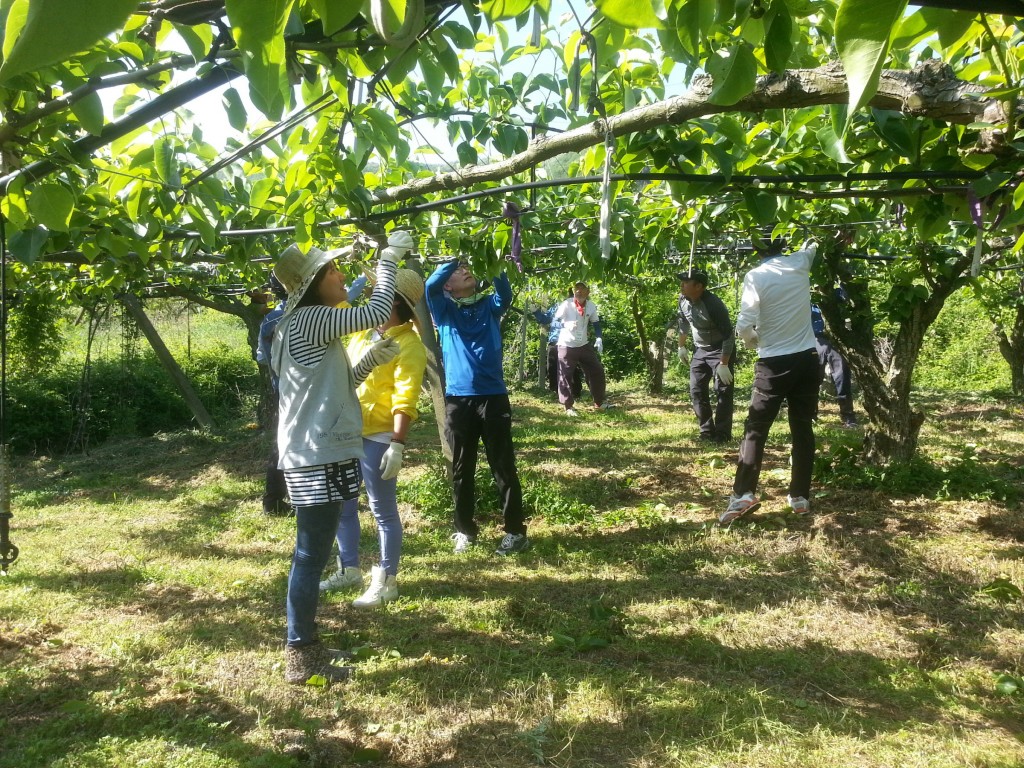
{"x": 469, "y": 335}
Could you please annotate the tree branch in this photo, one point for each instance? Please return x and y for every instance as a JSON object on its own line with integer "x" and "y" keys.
{"x": 929, "y": 90}
{"x": 95, "y": 84}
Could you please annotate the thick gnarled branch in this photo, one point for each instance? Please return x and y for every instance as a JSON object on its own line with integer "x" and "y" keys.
{"x": 929, "y": 90}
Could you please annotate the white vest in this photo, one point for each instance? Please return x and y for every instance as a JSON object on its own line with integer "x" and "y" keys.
{"x": 320, "y": 421}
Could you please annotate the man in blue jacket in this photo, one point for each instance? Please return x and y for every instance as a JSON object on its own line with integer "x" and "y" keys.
{"x": 476, "y": 398}
{"x": 832, "y": 361}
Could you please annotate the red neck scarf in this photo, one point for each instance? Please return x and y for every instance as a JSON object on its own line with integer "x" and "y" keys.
{"x": 580, "y": 307}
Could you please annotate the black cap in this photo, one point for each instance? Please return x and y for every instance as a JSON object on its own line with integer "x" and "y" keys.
{"x": 698, "y": 275}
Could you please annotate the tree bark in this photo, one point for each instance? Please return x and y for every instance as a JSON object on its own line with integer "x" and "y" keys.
{"x": 652, "y": 362}
{"x": 167, "y": 359}
{"x": 1012, "y": 349}
{"x": 886, "y": 378}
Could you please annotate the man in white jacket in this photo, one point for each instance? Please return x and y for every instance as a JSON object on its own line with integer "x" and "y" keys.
{"x": 775, "y": 316}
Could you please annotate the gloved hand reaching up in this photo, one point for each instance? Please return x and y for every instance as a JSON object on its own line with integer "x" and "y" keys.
{"x": 391, "y": 461}
{"x": 399, "y": 244}
{"x": 684, "y": 356}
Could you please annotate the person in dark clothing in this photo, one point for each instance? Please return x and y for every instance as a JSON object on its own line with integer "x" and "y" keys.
{"x": 476, "y": 398}
{"x": 832, "y": 361}
{"x": 703, "y": 315}
{"x": 547, "y": 319}
{"x": 275, "y": 493}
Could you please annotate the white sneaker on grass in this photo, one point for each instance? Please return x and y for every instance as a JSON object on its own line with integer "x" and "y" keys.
{"x": 383, "y": 589}
{"x": 512, "y": 544}
{"x": 571, "y": 412}
{"x": 342, "y": 579}
{"x": 463, "y": 542}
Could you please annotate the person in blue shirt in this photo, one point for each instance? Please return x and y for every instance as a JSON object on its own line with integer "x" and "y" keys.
{"x": 832, "y": 361}
{"x": 476, "y": 398}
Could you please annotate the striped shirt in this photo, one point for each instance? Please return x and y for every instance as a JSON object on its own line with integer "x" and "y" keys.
{"x": 310, "y": 332}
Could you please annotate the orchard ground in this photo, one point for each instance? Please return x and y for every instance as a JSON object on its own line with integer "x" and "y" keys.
{"x": 144, "y": 623}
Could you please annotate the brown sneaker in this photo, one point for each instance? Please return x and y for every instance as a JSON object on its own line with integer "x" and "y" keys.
{"x": 306, "y": 661}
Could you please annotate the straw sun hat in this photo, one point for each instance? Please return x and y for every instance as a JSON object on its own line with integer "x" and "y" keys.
{"x": 296, "y": 270}
{"x": 408, "y": 284}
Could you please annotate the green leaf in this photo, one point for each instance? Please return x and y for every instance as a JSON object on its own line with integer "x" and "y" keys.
{"x": 258, "y": 28}
{"x": 42, "y": 32}
{"x": 232, "y": 101}
{"x": 467, "y": 154}
{"x": 197, "y": 38}
{"x": 89, "y": 111}
{"x": 317, "y": 681}
{"x": 892, "y": 127}
{"x": 504, "y": 9}
{"x": 1007, "y": 685}
{"x": 336, "y": 14}
{"x": 979, "y": 161}
{"x": 165, "y": 163}
{"x": 862, "y": 35}
{"x": 778, "y": 38}
{"x": 832, "y": 145}
{"x": 733, "y": 72}
{"x": 761, "y": 205}
{"x": 261, "y": 192}
{"x": 632, "y": 14}
{"x": 1002, "y": 589}
{"x": 27, "y": 244}
{"x": 51, "y": 205}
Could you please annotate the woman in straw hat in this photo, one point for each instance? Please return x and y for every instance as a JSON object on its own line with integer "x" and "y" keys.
{"x": 319, "y": 433}
{"x": 388, "y": 398}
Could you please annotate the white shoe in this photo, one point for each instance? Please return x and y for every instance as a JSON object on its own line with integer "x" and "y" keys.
{"x": 462, "y": 542}
{"x": 342, "y": 579}
{"x": 571, "y": 412}
{"x": 383, "y": 588}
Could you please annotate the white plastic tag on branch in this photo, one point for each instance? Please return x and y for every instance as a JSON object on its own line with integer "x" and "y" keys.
{"x": 606, "y": 197}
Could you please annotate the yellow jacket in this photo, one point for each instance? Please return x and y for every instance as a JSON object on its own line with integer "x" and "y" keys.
{"x": 393, "y": 387}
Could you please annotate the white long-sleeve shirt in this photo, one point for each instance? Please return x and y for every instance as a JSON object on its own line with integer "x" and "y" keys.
{"x": 776, "y": 305}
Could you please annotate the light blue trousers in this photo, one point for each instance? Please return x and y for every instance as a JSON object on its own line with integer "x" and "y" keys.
{"x": 383, "y": 496}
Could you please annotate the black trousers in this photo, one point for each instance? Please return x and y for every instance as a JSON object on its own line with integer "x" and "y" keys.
{"x": 792, "y": 379}
{"x": 714, "y": 424}
{"x": 841, "y": 378}
{"x": 467, "y": 420}
{"x": 274, "y": 489}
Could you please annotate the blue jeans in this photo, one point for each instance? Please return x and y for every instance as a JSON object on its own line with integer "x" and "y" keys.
{"x": 383, "y": 496}
{"x": 314, "y": 536}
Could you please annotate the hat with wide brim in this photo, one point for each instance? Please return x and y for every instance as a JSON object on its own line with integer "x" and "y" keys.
{"x": 408, "y": 284}
{"x": 297, "y": 270}
{"x": 696, "y": 275}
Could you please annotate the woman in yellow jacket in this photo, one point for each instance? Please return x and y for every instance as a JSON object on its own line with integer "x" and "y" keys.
{"x": 388, "y": 398}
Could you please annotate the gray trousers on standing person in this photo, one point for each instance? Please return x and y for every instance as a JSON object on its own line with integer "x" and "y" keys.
{"x": 585, "y": 357}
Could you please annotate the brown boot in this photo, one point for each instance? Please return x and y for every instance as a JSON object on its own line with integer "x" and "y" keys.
{"x": 305, "y": 661}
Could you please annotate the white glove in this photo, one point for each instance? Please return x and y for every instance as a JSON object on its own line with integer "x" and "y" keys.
{"x": 599, "y": 345}
{"x": 751, "y": 339}
{"x": 724, "y": 374}
{"x": 684, "y": 356}
{"x": 391, "y": 461}
{"x": 399, "y": 244}
{"x": 383, "y": 351}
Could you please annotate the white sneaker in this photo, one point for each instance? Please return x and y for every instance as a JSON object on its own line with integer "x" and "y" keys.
{"x": 383, "y": 588}
{"x": 799, "y": 505}
{"x": 571, "y": 412}
{"x": 462, "y": 542}
{"x": 342, "y": 579}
